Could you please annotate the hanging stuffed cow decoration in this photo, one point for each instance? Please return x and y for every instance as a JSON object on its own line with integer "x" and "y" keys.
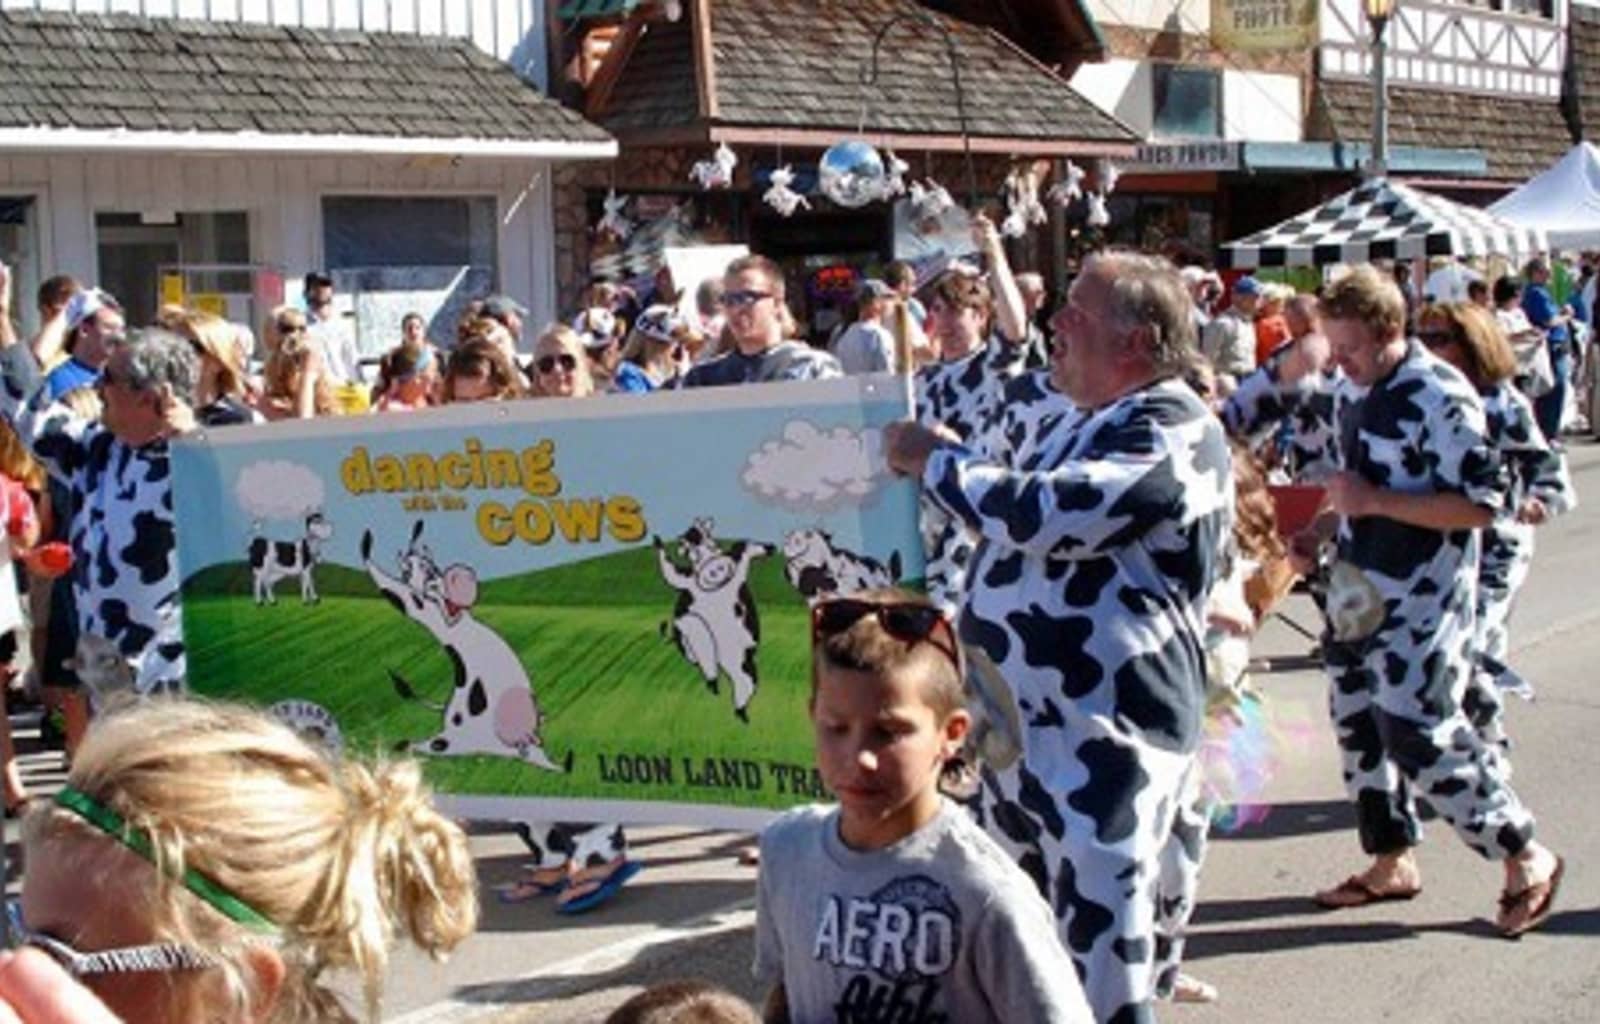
{"x": 1070, "y": 187}
{"x": 895, "y": 170}
{"x": 930, "y": 200}
{"x": 614, "y": 221}
{"x": 1023, "y": 209}
{"x": 781, "y": 197}
{"x": 716, "y": 172}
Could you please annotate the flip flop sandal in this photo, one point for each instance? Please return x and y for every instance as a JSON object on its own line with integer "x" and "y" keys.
{"x": 1538, "y": 909}
{"x": 1192, "y": 990}
{"x": 525, "y": 889}
{"x": 604, "y": 889}
{"x": 1355, "y": 892}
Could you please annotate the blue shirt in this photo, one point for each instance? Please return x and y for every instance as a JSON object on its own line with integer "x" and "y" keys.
{"x": 631, "y": 380}
{"x": 1541, "y": 309}
{"x": 69, "y": 376}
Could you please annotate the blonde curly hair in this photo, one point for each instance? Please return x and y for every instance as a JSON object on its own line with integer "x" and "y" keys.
{"x": 341, "y": 856}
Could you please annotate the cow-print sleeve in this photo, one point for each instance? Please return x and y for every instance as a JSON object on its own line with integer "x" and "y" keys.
{"x": 1080, "y": 509}
{"x": 1455, "y": 444}
{"x": 1538, "y": 470}
{"x": 1258, "y": 404}
{"x": 58, "y": 437}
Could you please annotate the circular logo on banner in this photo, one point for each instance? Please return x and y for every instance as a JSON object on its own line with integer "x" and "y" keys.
{"x": 312, "y": 721}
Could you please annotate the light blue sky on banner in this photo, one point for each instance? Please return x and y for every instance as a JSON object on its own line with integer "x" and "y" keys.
{"x": 681, "y": 455}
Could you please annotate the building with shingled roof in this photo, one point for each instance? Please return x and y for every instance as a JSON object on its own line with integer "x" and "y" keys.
{"x": 216, "y": 160}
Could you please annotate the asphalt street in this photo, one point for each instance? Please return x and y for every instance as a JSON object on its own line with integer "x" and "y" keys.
{"x": 1256, "y": 935}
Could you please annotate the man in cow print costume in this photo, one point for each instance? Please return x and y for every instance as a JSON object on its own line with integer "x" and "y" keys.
{"x": 1101, "y": 516}
{"x": 1419, "y": 481}
{"x": 125, "y": 572}
{"x": 1298, "y": 385}
{"x": 981, "y": 328}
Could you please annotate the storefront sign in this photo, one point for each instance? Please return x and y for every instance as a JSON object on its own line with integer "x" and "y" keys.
{"x": 1263, "y": 24}
{"x": 568, "y": 610}
{"x": 1177, "y": 157}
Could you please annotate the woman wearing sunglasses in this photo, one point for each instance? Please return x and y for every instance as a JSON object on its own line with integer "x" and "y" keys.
{"x": 295, "y": 382}
{"x": 1471, "y": 340}
{"x": 657, "y": 352}
{"x": 205, "y": 863}
{"x": 560, "y": 367}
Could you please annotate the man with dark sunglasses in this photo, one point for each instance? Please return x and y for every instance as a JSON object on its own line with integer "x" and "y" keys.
{"x": 1102, "y": 509}
{"x": 760, "y": 326}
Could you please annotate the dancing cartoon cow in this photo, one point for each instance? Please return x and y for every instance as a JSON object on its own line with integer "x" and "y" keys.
{"x": 714, "y": 623}
{"x": 819, "y": 569}
{"x": 491, "y": 709}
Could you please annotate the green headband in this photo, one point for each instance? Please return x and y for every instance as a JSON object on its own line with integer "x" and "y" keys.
{"x": 135, "y": 839}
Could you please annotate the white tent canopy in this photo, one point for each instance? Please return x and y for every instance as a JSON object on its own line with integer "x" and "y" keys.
{"x": 1382, "y": 220}
{"x": 1564, "y": 200}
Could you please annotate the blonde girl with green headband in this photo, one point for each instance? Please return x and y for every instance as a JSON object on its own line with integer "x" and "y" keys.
{"x": 206, "y": 864}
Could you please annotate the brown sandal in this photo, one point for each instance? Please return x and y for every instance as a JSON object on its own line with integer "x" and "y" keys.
{"x": 1355, "y": 891}
{"x": 1535, "y": 901}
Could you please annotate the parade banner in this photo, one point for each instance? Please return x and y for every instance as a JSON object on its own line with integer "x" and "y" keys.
{"x": 1263, "y": 24}
{"x": 591, "y": 609}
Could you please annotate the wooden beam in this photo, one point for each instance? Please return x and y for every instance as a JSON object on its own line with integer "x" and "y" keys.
{"x": 598, "y": 100}
{"x": 705, "y": 60}
{"x": 906, "y": 142}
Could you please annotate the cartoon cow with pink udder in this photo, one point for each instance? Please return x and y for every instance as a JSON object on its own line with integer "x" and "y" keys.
{"x": 491, "y": 709}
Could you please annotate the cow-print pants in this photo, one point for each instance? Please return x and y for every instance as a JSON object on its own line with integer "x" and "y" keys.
{"x": 1395, "y": 746}
{"x": 582, "y": 846}
{"x": 1097, "y": 870}
{"x": 1178, "y": 880}
{"x": 1506, "y": 560}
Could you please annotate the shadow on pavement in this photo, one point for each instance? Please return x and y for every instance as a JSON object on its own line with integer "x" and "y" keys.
{"x": 640, "y": 902}
{"x": 1230, "y": 911}
{"x": 1258, "y": 941}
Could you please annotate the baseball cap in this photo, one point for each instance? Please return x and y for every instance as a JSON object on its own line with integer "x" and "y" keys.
{"x": 86, "y": 303}
{"x": 872, "y": 288}
{"x": 1247, "y": 286}
{"x": 499, "y": 307}
{"x": 661, "y": 322}
{"x": 597, "y": 327}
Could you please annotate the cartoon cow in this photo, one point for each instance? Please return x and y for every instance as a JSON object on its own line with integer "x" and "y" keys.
{"x": 714, "y": 623}
{"x": 491, "y": 709}
{"x": 273, "y": 560}
{"x": 820, "y": 570}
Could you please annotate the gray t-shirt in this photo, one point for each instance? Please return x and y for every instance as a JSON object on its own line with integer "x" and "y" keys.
{"x": 865, "y": 347}
{"x": 939, "y": 927}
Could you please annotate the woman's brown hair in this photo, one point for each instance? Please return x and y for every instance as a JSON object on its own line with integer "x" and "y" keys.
{"x": 482, "y": 358}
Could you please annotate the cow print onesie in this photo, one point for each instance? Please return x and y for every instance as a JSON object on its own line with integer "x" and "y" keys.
{"x": 1262, "y": 404}
{"x": 1396, "y": 697}
{"x": 1534, "y": 471}
{"x": 125, "y": 570}
{"x": 1100, "y": 533}
{"x": 966, "y": 396}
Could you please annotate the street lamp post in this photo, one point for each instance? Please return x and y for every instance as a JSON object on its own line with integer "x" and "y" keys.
{"x": 1378, "y": 14}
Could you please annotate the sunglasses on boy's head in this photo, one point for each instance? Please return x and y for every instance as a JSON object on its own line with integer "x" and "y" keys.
{"x": 547, "y": 364}
{"x": 743, "y": 297}
{"x": 906, "y": 621}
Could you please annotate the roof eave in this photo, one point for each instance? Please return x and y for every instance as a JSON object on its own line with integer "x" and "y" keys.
{"x": 266, "y": 143}
{"x": 822, "y": 138}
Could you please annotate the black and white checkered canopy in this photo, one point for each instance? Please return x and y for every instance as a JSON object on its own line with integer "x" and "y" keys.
{"x": 1379, "y": 220}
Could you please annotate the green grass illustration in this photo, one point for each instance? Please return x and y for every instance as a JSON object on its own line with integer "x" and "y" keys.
{"x": 589, "y": 634}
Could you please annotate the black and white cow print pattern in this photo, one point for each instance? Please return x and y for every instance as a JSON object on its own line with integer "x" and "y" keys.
{"x": 1262, "y": 406}
{"x": 1101, "y": 533}
{"x": 125, "y": 569}
{"x": 1396, "y": 697}
{"x": 820, "y": 569}
{"x": 965, "y": 396}
{"x": 714, "y": 623}
{"x": 555, "y": 845}
{"x": 1534, "y": 470}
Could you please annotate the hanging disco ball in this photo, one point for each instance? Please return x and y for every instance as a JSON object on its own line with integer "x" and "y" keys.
{"x": 852, "y": 174}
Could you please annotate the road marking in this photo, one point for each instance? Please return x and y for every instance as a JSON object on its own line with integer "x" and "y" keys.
{"x": 564, "y": 976}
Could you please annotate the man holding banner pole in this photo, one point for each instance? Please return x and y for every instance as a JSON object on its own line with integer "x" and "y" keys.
{"x": 1101, "y": 529}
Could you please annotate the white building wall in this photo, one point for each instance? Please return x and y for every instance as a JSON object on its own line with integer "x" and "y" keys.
{"x": 283, "y": 197}
{"x": 512, "y": 30}
{"x": 1450, "y": 46}
{"x": 1257, "y": 106}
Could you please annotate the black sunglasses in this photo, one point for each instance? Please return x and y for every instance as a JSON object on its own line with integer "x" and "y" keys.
{"x": 905, "y": 621}
{"x": 1436, "y": 339}
{"x": 547, "y": 364}
{"x": 289, "y": 328}
{"x": 743, "y": 297}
